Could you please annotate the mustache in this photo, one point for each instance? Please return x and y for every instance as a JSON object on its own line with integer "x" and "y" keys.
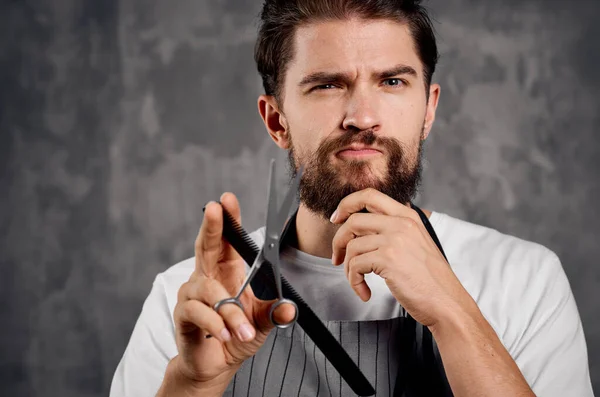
{"x": 365, "y": 137}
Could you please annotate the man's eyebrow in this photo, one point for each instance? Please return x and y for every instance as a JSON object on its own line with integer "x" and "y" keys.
{"x": 397, "y": 71}
{"x": 325, "y": 77}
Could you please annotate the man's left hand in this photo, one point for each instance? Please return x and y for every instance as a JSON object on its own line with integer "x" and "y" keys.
{"x": 392, "y": 242}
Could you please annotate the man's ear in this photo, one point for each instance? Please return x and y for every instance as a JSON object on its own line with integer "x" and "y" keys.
{"x": 432, "y": 103}
{"x": 274, "y": 120}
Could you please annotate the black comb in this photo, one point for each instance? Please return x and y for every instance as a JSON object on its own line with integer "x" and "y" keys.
{"x": 240, "y": 240}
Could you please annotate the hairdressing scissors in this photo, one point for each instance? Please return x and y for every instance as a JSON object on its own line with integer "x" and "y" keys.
{"x": 269, "y": 252}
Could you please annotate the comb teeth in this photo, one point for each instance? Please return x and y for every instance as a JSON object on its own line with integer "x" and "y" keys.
{"x": 241, "y": 241}
{"x": 234, "y": 231}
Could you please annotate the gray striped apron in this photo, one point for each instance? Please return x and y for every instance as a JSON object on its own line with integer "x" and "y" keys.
{"x": 398, "y": 356}
{"x": 289, "y": 363}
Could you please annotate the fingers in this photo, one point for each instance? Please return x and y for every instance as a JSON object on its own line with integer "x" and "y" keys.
{"x": 230, "y": 203}
{"x": 356, "y": 248}
{"x": 359, "y": 246}
{"x": 215, "y": 257}
{"x": 282, "y": 314}
{"x": 193, "y": 314}
{"x": 373, "y": 201}
{"x": 208, "y": 292}
{"x": 208, "y": 242}
{"x": 359, "y": 224}
{"x": 356, "y": 269}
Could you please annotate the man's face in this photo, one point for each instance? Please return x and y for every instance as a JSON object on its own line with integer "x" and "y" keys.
{"x": 354, "y": 108}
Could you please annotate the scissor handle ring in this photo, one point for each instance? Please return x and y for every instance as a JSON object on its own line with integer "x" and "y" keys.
{"x": 225, "y": 301}
{"x": 280, "y": 302}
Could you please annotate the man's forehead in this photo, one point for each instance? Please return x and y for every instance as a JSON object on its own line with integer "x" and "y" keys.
{"x": 345, "y": 45}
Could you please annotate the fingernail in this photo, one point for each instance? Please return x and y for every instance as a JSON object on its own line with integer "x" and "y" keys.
{"x": 225, "y": 335}
{"x": 245, "y": 332}
{"x": 206, "y": 205}
{"x": 333, "y": 216}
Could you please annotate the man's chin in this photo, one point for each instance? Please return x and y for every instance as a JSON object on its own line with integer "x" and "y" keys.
{"x": 359, "y": 182}
{"x": 360, "y": 175}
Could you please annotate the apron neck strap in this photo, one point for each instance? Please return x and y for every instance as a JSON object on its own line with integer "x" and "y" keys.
{"x": 429, "y": 228}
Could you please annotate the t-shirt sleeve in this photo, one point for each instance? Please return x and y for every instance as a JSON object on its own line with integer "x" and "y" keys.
{"x": 552, "y": 352}
{"x": 151, "y": 346}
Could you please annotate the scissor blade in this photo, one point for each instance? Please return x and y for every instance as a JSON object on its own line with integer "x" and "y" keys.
{"x": 284, "y": 210}
{"x": 273, "y": 227}
{"x": 273, "y": 230}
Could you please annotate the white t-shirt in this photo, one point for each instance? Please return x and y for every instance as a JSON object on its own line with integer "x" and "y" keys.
{"x": 519, "y": 286}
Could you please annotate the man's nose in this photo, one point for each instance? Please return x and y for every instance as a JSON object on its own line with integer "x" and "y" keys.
{"x": 361, "y": 111}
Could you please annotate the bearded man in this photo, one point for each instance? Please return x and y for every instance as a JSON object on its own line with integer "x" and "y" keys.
{"x": 349, "y": 94}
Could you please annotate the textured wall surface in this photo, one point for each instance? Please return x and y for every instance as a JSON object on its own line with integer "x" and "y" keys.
{"x": 119, "y": 119}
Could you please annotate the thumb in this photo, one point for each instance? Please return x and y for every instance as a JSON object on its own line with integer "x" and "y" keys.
{"x": 283, "y": 314}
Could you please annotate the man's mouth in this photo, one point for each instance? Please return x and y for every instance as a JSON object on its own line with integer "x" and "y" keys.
{"x": 358, "y": 151}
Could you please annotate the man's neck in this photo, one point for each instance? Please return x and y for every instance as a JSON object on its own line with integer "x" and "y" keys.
{"x": 315, "y": 234}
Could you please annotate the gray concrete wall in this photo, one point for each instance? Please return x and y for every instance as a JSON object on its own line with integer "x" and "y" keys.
{"x": 119, "y": 119}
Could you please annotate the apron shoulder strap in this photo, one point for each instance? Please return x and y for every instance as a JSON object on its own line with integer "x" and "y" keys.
{"x": 421, "y": 373}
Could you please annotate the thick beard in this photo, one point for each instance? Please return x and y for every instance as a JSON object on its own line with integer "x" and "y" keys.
{"x": 321, "y": 188}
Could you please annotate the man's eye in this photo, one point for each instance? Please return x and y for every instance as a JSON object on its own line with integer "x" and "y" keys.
{"x": 324, "y": 87}
{"x": 393, "y": 82}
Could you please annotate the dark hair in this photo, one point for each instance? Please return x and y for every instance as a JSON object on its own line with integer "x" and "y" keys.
{"x": 279, "y": 20}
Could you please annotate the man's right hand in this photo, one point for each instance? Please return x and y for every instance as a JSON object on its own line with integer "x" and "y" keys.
{"x": 210, "y": 363}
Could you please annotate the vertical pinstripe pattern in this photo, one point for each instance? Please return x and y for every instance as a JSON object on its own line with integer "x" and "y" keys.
{"x": 289, "y": 364}
{"x": 325, "y": 362}
{"x": 269, "y": 360}
{"x": 316, "y": 368}
{"x": 376, "y": 358}
{"x": 389, "y": 373}
{"x": 358, "y": 346}
{"x": 304, "y": 365}
{"x": 250, "y": 376}
{"x": 340, "y": 340}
